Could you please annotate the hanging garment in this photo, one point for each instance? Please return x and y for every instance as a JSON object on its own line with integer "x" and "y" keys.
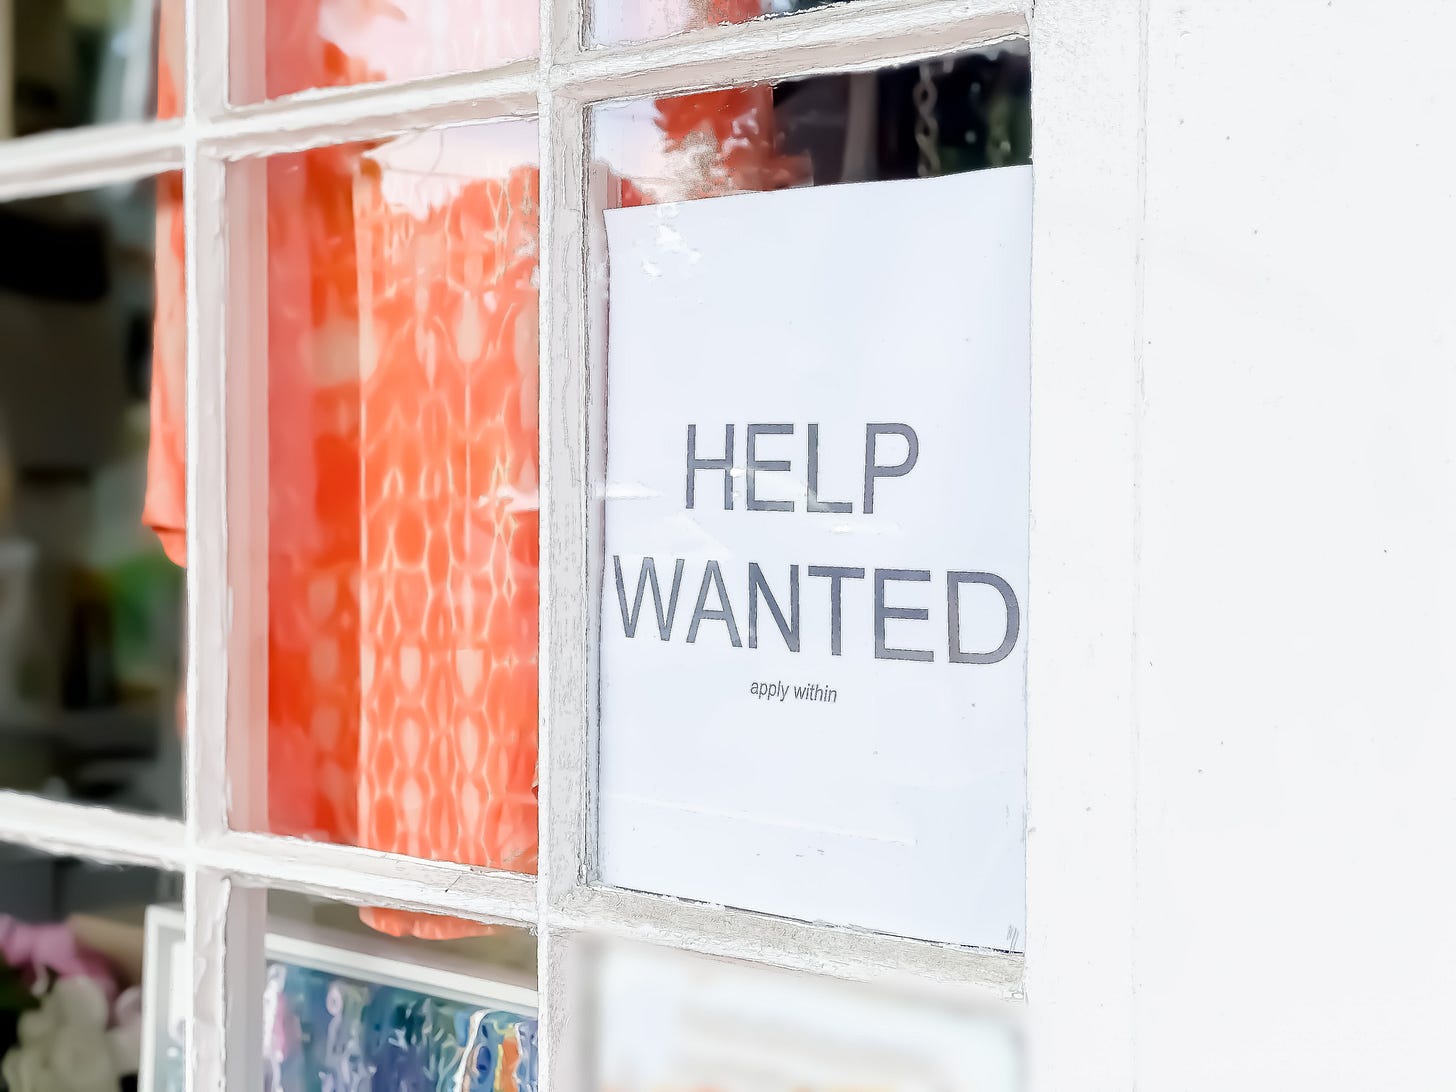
{"x": 427, "y": 782}
{"x": 446, "y": 226}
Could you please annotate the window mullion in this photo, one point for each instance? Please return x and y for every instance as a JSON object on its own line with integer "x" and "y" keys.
{"x": 566, "y": 664}
{"x": 567, "y": 661}
{"x": 210, "y": 615}
{"x": 226, "y": 923}
{"x": 857, "y": 37}
{"x": 352, "y": 874}
{"x": 563, "y": 30}
{"x": 754, "y": 937}
{"x": 89, "y": 158}
{"x": 63, "y": 828}
{"x": 315, "y": 118}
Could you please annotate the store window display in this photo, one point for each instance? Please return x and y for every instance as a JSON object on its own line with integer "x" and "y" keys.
{"x": 403, "y": 444}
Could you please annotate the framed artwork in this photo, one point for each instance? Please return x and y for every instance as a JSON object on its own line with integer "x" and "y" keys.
{"x": 339, "y": 1007}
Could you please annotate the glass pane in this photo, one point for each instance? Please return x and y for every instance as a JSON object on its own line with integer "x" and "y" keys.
{"x": 353, "y": 1009}
{"x": 74, "y": 952}
{"x": 664, "y": 1021}
{"x": 346, "y": 1008}
{"x": 90, "y": 606}
{"x": 81, "y": 62}
{"x": 944, "y": 117}
{"x": 395, "y": 289}
{"x": 616, "y": 21}
{"x": 335, "y": 43}
{"x": 817, "y": 497}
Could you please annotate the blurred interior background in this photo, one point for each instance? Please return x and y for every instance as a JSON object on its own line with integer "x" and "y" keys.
{"x": 90, "y": 609}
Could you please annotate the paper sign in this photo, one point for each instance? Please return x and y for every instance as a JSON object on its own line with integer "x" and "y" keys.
{"x": 813, "y": 628}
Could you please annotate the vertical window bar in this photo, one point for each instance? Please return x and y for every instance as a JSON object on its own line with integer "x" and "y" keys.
{"x": 563, "y": 32}
{"x": 565, "y": 670}
{"x": 568, "y": 672}
{"x": 225, "y": 927}
{"x": 225, "y": 923}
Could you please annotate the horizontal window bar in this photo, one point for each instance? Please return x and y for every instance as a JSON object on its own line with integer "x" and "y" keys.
{"x": 782, "y": 942}
{"x": 366, "y": 877}
{"x": 340, "y": 115}
{"x": 87, "y": 158}
{"x": 340, "y": 873}
{"x": 83, "y": 830}
{"x": 866, "y": 35}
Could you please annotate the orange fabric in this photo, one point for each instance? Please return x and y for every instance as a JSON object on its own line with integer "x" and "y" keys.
{"x": 313, "y": 497}
{"x": 448, "y": 600}
{"x": 165, "y": 508}
{"x": 313, "y": 455}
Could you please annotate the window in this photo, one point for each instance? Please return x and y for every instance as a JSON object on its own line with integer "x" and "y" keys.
{"x": 547, "y": 120}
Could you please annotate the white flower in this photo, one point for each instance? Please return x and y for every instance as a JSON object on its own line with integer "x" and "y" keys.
{"x": 84, "y": 1065}
{"x": 38, "y": 1025}
{"x": 80, "y": 1004}
{"x": 24, "y": 1069}
{"x": 64, "y": 1045}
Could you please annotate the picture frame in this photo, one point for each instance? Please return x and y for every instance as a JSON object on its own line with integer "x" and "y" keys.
{"x": 376, "y": 961}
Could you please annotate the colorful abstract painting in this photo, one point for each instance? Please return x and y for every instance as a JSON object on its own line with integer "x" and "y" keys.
{"x": 324, "y": 1033}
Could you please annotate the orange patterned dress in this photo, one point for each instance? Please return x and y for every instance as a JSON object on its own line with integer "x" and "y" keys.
{"x": 450, "y": 544}
{"x": 402, "y": 456}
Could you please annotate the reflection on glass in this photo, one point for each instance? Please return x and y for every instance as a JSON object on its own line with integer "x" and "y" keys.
{"x": 941, "y": 117}
{"x": 458, "y": 1014}
{"x": 634, "y": 21}
{"x": 334, "y": 43}
{"x": 668, "y": 1022}
{"x": 90, "y": 609}
{"x": 73, "y": 956}
{"x": 346, "y": 1008}
{"x": 400, "y": 294}
{"x": 78, "y": 62}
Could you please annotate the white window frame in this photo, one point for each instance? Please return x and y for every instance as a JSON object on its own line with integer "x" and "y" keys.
{"x": 1088, "y": 65}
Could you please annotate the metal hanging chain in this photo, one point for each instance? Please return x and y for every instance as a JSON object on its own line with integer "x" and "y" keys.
{"x": 927, "y": 125}
{"x": 927, "y": 128}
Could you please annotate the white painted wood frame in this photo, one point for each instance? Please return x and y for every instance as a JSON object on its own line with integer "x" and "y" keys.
{"x": 1088, "y": 57}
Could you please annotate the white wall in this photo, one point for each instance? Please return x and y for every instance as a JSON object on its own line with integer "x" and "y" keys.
{"x": 1242, "y": 688}
{"x": 1295, "y": 690}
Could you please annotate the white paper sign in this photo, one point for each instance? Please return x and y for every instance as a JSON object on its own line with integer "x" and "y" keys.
{"x": 818, "y": 407}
